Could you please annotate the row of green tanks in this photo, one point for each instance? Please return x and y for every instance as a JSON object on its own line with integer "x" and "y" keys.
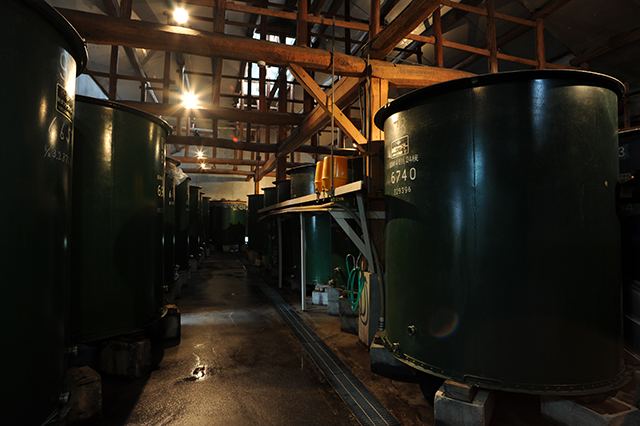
{"x": 327, "y": 247}
{"x": 91, "y": 254}
{"x": 42, "y": 55}
{"x": 227, "y": 224}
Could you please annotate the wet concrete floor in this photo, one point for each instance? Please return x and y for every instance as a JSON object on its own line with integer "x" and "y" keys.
{"x": 237, "y": 364}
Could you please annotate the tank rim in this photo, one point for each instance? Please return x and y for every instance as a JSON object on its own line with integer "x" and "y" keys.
{"x": 126, "y": 108}
{"x": 630, "y": 131}
{"x": 173, "y": 161}
{"x": 299, "y": 169}
{"x": 408, "y": 100}
{"x": 616, "y": 382}
{"x": 71, "y": 35}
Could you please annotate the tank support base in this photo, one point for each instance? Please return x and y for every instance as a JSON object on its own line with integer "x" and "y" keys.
{"x": 450, "y": 410}
{"x": 611, "y": 411}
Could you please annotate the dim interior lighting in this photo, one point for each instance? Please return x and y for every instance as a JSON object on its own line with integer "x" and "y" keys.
{"x": 180, "y": 15}
{"x": 190, "y": 100}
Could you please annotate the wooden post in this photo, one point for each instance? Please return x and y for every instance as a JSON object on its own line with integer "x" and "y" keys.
{"x": 540, "y": 51}
{"x": 113, "y": 72}
{"x": 492, "y": 44}
{"x": 347, "y": 31}
{"x": 143, "y": 91}
{"x": 282, "y": 130}
{"x": 264, "y": 107}
{"x": 379, "y": 97}
{"x": 302, "y": 33}
{"x": 167, "y": 78}
{"x": 374, "y": 20}
{"x": 437, "y": 33}
{"x": 216, "y": 65}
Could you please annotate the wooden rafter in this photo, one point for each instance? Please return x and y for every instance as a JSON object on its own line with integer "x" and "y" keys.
{"x": 220, "y": 113}
{"x": 325, "y": 103}
{"x": 249, "y": 146}
{"x": 611, "y": 45}
{"x": 412, "y": 16}
{"x": 546, "y": 10}
{"x": 100, "y": 29}
{"x": 124, "y": 11}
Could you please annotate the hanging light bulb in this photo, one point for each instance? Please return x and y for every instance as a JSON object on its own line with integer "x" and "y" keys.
{"x": 190, "y": 100}
{"x": 180, "y": 15}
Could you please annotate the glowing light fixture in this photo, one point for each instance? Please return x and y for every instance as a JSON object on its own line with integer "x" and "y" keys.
{"x": 203, "y": 166}
{"x": 199, "y": 154}
{"x": 190, "y": 100}
{"x": 180, "y": 15}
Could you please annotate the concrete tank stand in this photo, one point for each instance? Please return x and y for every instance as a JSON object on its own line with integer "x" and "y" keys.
{"x": 129, "y": 356}
{"x": 457, "y": 404}
{"x": 88, "y": 395}
{"x": 184, "y": 277}
{"x": 609, "y": 412}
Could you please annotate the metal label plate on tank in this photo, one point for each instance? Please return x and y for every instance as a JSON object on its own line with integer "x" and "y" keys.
{"x": 400, "y": 147}
{"x": 64, "y": 103}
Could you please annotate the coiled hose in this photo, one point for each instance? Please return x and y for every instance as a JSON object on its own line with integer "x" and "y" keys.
{"x": 355, "y": 273}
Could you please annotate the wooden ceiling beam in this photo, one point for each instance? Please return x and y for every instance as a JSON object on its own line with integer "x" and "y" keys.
{"x": 107, "y": 30}
{"x": 345, "y": 92}
{"x": 124, "y": 11}
{"x": 611, "y": 45}
{"x": 201, "y": 171}
{"x": 325, "y": 103}
{"x": 219, "y": 113}
{"x": 100, "y": 29}
{"x": 541, "y": 13}
{"x": 412, "y": 16}
{"x": 251, "y": 146}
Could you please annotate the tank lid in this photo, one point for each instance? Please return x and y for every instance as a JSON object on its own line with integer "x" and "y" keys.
{"x": 60, "y": 23}
{"x": 126, "y": 108}
{"x": 301, "y": 169}
{"x": 417, "y": 96}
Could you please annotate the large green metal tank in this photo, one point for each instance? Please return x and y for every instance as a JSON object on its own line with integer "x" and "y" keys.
{"x": 255, "y": 229}
{"x": 228, "y": 221}
{"x": 302, "y": 180}
{"x": 170, "y": 219}
{"x": 502, "y": 240}
{"x": 629, "y": 214}
{"x": 317, "y": 234}
{"x": 41, "y": 56}
{"x": 116, "y": 239}
{"x": 195, "y": 218}
{"x": 182, "y": 223}
{"x": 270, "y": 196}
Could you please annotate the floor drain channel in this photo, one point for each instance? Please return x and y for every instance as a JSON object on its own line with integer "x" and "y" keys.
{"x": 367, "y": 409}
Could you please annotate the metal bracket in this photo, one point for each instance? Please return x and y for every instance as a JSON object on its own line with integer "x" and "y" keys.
{"x": 364, "y": 246}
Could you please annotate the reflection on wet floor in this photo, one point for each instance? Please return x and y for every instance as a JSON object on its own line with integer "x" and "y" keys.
{"x": 237, "y": 364}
